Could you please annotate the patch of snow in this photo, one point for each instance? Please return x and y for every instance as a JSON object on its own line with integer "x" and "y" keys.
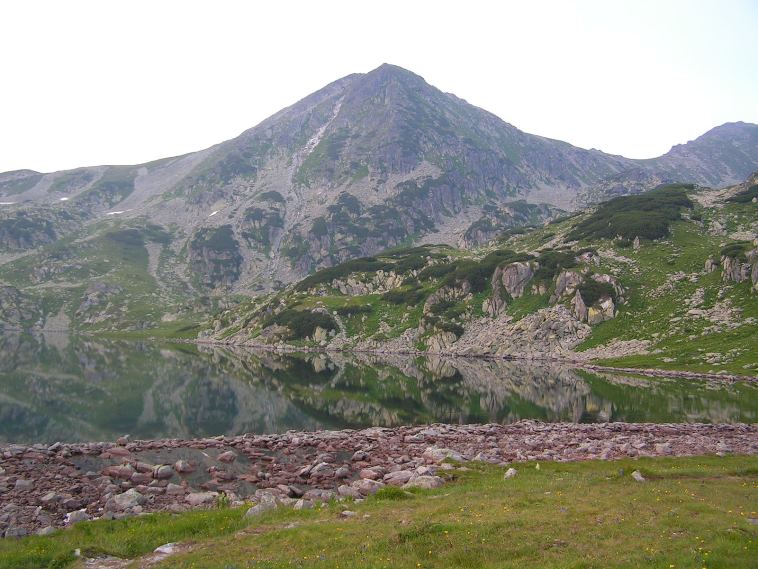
{"x": 213, "y": 213}
{"x": 63, "y": 200}
{"x": 7, "y": 203}
{"x": 115, "y": 212}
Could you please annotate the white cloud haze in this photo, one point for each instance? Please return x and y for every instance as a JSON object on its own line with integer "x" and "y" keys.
{"x": 93, "y": 82}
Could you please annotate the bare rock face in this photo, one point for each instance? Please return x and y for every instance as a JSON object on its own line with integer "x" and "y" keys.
{"x": 14, "y": 307}
{"x": 515, "y": 277}
{"x": 379, "y": 282}
{"x": 711, "y": 265}
{"x": 441, "y": 342}
{"x": 274, "y": 333}
{"x": 734, "y": 270}
{"x": 508, "y": 280}
{"x": 605, "y": 311}
{"x": 458, "y": 292}
{"x": 566, "y": 284}
{"x": 580, "y": 309}
{"x": 320, "y": 335}
{"x": 611, "y": 280}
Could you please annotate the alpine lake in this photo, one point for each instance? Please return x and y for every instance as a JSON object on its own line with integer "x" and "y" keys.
{"x": 59, "y": 387}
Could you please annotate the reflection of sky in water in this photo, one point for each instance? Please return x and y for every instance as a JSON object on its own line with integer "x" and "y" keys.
{"x": 70, "y": 388}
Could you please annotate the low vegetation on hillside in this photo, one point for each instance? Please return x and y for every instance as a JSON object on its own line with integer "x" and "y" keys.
{"x": 670, "y": 274}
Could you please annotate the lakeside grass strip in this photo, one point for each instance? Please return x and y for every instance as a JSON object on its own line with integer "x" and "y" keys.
{"x": 691, "y": 512}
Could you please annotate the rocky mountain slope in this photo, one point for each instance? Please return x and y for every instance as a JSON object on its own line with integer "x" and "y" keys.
{"x": 369, "y": 162}
{"x": 668, "y": 278}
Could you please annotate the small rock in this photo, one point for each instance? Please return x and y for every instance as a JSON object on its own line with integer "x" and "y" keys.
{"x": 359, "y": 456}
{"x": 51, "y": 497}
{"x": 76, "y": 516}
{"x": 398, "y": 478}
{"x": 227, "y": 457}
{"x": 163, "y": 472}
{"x": 303, "y": 505}
{"x": 175, "y": 489}
{"x": 166, "y": 549}
{"x": 118, "y": 451}
{"x": 349, "y": 492}
{"x": 183, "y": 467}
{"x": 367, "y": 487}
{"x": 342, "y": 472}
{"x": 46, "y": 530}
{"x": 259, "y": 509}
{"x": 16, "y": 531}
{"x": 199, "y": 498}
{"x": 437, "y": 454}
{"x": 510, "y": 473}
{"x": 427, "y": 482}
{"x": 322, "y": 469}
{"x": 23, "y": 485}
{"x": 370, "y": 474}
{"x": 347, "y": 514}
{"x": 637, "y": 475}
{"x": 129, "y": 499}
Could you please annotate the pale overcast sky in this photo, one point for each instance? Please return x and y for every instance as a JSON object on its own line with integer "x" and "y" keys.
{"x": 121, "y": 82}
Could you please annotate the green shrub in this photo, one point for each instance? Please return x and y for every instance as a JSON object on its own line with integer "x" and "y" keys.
{"x": 271, "y": 196}
{"x": 436, "y": 271}
{"x": 647, "y": 216}
{"x": 319, "y": 228}
{"x": 553, "y": 262}
{"x": 410, "y": 263}
{"x": 408, "y": 297}
{"x": 479, "y": 273}
{"x": 302, "y": 323}
{"x": 745, "y": 196}
{"x": 126, "y": 237}
{"x": 362, "y": 265}
{"x": 592, "y": 291}
{"x": 736, "y": 250}
{"x": 353, "y": 309}
{"x": 391, "y": 493}
{"x": 442, "y": 306}
{"x": 456, "y": 329}
{"x": 218, "y": 239}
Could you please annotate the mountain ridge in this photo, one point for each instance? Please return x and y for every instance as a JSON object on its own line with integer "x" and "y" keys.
{"x": 369, "y": 162}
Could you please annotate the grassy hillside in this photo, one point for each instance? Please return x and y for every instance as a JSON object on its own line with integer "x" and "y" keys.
{"x": 667, "y": 279}
{"x": 691, "y": 512}
{"x": 106, "y": 277}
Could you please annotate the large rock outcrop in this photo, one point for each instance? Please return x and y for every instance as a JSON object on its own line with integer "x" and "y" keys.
{"x": 508, "y": 282}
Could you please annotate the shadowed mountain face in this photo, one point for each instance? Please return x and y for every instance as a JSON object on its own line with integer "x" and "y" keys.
{"x": 369, "y": 162}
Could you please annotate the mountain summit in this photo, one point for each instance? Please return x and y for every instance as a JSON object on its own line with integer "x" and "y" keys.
{"x": 368, "y": 162}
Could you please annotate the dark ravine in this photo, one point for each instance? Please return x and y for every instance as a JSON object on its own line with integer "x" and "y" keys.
{"x": 45, "y": 487}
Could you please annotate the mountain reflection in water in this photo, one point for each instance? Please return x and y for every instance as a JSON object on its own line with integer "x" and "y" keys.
{"x": 73, "y": 388}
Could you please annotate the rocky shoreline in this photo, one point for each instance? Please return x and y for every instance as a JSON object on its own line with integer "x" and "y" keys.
{"x": 557, "y": 359}
{"x": 43, "y": 487}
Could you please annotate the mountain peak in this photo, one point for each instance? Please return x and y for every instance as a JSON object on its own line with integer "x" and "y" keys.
{"x": 388, "y": 72}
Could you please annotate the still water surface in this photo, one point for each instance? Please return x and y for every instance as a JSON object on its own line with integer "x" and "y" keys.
{"x": 67, "y": 388}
